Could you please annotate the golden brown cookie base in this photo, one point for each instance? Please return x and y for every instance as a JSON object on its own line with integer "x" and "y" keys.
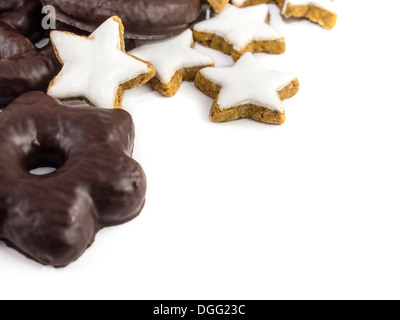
{"x": 137, "y": 82}
{"x": 279, "y": 3}
{"x": 247, "y": 111}
{"x": 323, "y": 17}
{"x": 215, "y": 42}
{"x": 255, "y": 2}
{"x": 171, "y": 88}
{"x": 218, "y": 5}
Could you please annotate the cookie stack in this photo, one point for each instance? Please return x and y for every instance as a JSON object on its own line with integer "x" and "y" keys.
{"x": 54, "y": 218}
{"x": 239, "y": 29}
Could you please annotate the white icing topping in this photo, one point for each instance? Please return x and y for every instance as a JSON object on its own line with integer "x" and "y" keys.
{"x": 239, "y": 3}
{"x": 94, "y": 67}
{"x": 323, "y": 4}
{"x": 240, "y": 26}
{"x": 169, "y": 56}
{"x": 248, "y": 82}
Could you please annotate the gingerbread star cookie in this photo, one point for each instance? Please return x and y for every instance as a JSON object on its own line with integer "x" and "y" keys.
{"x": 318, "y": 11}
{"x": 174, "y": 59}
{"x": 247, "y": 90}
{"x": 218, "y": 5}
{"x": 235, "y": 31}
{"x": 97, "y": 68}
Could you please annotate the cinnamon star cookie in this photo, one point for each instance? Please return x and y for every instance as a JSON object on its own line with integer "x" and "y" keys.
{"x": 174, "y": 59}
{"x": 247, "y": 90}
{"x": 97, "y": 68}
{"x": 235, "y": 31}
{"x": 318, "y": 11}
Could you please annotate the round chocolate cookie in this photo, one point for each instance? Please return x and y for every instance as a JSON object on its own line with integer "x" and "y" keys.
{"x": 143, "y": 19}
{"x": 23, "y": 67}
{"x": 54, "y": 218}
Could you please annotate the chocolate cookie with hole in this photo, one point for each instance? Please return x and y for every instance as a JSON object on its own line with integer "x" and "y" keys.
{"x": 53, "y": 218}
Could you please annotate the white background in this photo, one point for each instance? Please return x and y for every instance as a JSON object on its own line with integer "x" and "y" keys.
{"x": 244, "y": 210}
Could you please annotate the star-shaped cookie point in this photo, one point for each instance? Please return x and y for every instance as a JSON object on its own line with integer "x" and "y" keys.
{"x": 174, "y": 59}
{"x": 318, "y": 11}
{"x": 97, "y": 68}
{"x": 247, "y": 90}
{"x": 218, "y": 5}
{"x": 235, "y": 31}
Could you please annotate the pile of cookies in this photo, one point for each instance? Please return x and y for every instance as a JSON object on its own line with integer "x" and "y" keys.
{"x": 320, "y": 11}
{"x": 23, "y": 67}
{"x": 99, "y": 50}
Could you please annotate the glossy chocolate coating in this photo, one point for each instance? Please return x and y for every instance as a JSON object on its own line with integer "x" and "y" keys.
{"x": 54, "y": 218}
{"x": 23, "y": 67}
{"x": 23, "y": 15}
{"x": 12, "y": 42}
{"x": 142, "y": 19}
{"x": 30, "y": 71}
{"x": 7, "y": 5}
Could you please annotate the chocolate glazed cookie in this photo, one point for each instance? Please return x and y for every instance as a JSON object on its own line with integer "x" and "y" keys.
{"x": 23, "y": 67}
{"x": 143, "y": 19}
{"x": 54, "y": 218}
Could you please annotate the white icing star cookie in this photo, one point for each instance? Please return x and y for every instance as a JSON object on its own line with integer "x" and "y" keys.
{"x": 174, "y": 60}
{"x": 247, "y": 90}
{"x": 318, "y": 11}
{"x": 97, "y": 68}
{"x": 238, "y": 30}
